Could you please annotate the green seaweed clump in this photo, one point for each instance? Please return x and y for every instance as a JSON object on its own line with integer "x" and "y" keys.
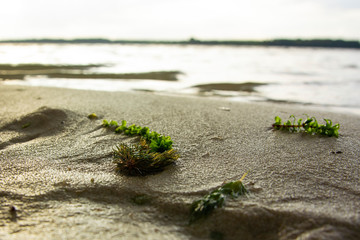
{"x": 156, "y": 141}
{"x": 152, "y": 154}
{"x": 139, "y": 159}
{"x": 216, "y": 199}
{"x": 310, "y": 126}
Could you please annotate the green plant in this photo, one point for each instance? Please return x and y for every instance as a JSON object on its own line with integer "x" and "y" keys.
{"x": 156, "y": 141}
{"x": 105, "y": 123}
{"x": 310, "y": 126}
{"x": 138, "y": 159}
{"x": 152, "y": 154}
{"x": 216, "y": 199}
{"x": 92, "y": 116}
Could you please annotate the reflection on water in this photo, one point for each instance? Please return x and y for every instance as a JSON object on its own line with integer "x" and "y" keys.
{"x": 327, "y": 77}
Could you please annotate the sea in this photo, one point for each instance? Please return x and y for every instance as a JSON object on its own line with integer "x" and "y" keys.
{"x": 324, "y": 78}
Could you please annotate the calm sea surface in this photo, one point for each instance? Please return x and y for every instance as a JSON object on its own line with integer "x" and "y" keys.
{"x": 326, "y": 78}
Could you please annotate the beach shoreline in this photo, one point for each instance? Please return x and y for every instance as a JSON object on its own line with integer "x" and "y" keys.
{"x": 58, "y": 173}
{"x": 290, "y": 75}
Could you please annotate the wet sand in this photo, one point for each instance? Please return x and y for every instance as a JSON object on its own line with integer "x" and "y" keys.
{"x": 243, "y": 87}
{"x": 58, "y": 179}
{"x": 21, "y": 71}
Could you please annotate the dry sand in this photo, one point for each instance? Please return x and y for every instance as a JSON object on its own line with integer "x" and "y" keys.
{"x": 58, "y": 180}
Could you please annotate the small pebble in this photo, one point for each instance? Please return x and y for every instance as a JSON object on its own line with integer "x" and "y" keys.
{"x": 224, "y": 108}
{"x": 337, "y": 152}
{"x": 13, "y": 209}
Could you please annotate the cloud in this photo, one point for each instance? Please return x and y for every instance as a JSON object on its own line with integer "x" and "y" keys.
{"x": 163, "y": 19}
{"x": 345, "y": 4}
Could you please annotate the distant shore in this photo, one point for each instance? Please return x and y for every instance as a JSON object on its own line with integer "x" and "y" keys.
{"x": 322, "y": 43}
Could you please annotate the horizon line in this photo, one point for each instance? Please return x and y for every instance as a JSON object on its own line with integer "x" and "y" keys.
{"x": 179, "y": 40}
{"x": 321, "y": 43}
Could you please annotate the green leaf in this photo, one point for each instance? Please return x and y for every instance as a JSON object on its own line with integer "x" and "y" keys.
{"x": 309, "y": 120}
{"x": 105, "y": 123}
{"x": 118, "y": 130}
{"x": 113, "y": 123}
{"x": 144, "y": 131}
{"x": 294, "y": 119}
{"x": 299, "y": 122}
{"x": 92, "y": 116}
{"x": 277, "y": 120}
{"x": 328, "y": 123}
{"x": 216, "y": 199}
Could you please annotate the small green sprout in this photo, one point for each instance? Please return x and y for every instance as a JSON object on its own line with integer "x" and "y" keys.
{"x": 216, "y": 199}
{"x": 105, "y": 123}
{"x": 26, "y": 125}
{"x": 113, "y": 123}
{"x": 121, "y": 128}
{"x": 92, "y": 116}
{"x": 310, "y": 126}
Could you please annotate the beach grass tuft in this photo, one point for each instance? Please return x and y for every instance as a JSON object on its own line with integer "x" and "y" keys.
{"x": 152, "y": 154}
{"x": 139, "y": 159}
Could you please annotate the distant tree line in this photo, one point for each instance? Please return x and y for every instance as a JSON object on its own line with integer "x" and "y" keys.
{"x": 314, "y": 43}
{"x": 324, "y": 43}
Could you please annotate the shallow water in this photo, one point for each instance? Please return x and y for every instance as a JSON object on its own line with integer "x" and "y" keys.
{"x": 327, "y": 78}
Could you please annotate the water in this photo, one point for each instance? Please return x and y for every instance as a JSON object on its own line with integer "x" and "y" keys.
{"x": 327, "y": 78}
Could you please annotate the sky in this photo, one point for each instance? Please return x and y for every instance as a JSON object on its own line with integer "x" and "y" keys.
{"x": 180, "y": 19}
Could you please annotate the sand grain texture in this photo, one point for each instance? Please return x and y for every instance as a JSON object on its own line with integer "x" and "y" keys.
{"x": 58, "y": 180}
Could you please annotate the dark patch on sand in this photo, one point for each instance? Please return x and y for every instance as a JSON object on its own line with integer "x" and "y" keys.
{"x": 12, "y": 72}
{"x": 37, "y": 67}
{"x": 162, "y": 75}
{"x": 43, "y": 122}
{"x": 242, "y": 87}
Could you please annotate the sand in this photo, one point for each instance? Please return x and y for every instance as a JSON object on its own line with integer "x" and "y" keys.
{"x": 22, "y": 71}
{"x": 58, "y": 179}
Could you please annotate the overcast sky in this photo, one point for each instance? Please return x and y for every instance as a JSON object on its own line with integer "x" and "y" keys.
{"x": 180, "y": 19}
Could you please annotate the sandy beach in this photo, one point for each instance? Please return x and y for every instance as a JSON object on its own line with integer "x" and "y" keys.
{"x": 58, "y": 179}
